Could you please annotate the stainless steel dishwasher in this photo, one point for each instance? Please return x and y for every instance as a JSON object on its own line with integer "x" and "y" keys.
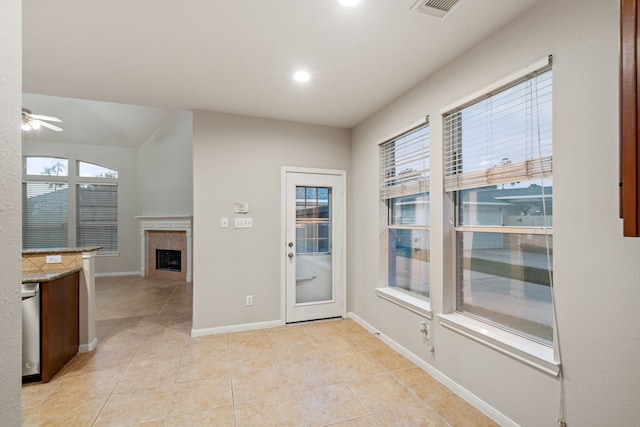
{"x": 30, "y": 329}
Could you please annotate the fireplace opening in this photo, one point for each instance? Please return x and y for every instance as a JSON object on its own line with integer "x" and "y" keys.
{"x": 167, "y": 259}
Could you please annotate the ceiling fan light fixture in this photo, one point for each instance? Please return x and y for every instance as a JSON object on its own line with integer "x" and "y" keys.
{"x": 26, "y": 126}
{"x": 34, "y": 124}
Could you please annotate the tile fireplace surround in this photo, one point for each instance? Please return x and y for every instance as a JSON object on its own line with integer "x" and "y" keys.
{"x": 165, "y": 232}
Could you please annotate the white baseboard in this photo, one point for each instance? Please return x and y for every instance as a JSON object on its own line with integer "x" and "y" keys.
{"x": 236, "y": 328}
{"x": 85, "y": 348}
{"x": 122, "y": 273}
{"x": 462, "y": 392}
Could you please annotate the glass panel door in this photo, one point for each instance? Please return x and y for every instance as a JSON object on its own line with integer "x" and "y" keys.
{"x": 313, "y": 244}
{"x": 313, "y": 256}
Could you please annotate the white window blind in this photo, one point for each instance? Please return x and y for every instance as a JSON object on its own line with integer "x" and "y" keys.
{"x": 44, "y": 215}
{"x": 97, "y": 216}
{"x": 502, "y": 137}
{"x": 404, "y": 164}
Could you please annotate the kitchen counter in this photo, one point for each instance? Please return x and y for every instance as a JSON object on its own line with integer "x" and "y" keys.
{"x": 36, "y": 269}
{"x": 54, "y": 251}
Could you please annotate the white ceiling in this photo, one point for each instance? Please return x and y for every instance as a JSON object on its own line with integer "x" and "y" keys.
{"x": 238, "y": 56}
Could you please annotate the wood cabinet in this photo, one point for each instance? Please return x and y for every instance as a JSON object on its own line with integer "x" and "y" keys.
{"x": 629, "y": 118}
{"x": 59, "y": 323}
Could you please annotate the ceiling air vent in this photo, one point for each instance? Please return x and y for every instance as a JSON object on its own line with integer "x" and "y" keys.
{"x": 437, "y": 8}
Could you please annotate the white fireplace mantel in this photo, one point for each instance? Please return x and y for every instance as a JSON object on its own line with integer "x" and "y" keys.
{"x": 165, "y": 223}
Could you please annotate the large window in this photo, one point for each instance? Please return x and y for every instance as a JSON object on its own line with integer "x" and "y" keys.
{"x": 54, "y": 196}
{"x": 498, "y": 170}
{"x": 404, "y": 186}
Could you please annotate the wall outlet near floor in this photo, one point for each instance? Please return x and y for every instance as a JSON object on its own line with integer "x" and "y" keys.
{"x": 54, "y": 259}
{"x": 249, "y": 300}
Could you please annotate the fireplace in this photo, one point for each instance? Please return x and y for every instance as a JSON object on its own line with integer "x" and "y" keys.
{"x": 165, "y": 244}
{"x": 168, "y": 259}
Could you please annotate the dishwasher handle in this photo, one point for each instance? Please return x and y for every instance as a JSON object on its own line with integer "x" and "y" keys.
{"x": 30, "y": 292}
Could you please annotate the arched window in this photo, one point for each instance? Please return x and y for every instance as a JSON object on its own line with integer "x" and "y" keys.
{"x": 54, "y": 196}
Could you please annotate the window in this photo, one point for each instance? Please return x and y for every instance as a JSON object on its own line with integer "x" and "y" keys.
{"x": 498, "y": 170}
{"x": 97, "y": 217}
{"x": 45, "y": 215}
{"x": 89, "y": 170}
{"x": 404, "y": 186}
{"x": 313, "y": 220}
{"x": 53, "y": 197}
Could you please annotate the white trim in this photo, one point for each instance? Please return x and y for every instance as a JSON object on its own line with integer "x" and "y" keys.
{"x": 411, "y": 303}
{"x": 404, "y": 129}
{"x": 236, "y": 328}
{"x": 534, "y": 354}
{"x": 456, "y": 388}
{"x": 85, "y": 348}
{"x": 541, "y": 63}
{"x": 119, "y": 273}
{"x": 283, "y": 231}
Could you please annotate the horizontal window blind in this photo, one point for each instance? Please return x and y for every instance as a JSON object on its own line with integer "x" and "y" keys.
{"x": 502, "y": 137}
{"x": 97, "y": 218}
{"x": 44, "y": 215}
{"x": 404, "y": 164}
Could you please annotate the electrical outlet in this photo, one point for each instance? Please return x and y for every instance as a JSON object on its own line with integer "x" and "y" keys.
{"x": 54, "y": 259}
{"x": 244, "y": 222}
{"x": 249, "y": 300}
{"x": 224, "y": 222}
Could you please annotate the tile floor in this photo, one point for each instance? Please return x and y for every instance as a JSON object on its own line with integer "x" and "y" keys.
{"x": 148, "y": 371}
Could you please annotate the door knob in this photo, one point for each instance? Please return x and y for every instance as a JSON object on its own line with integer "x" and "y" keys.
{"x": 290, "y": 254}
{"x": 290, "y": 244}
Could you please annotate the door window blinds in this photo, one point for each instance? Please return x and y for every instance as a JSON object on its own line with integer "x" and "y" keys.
{"x": 502, "y": 137}
{"x": 404, "y": 163}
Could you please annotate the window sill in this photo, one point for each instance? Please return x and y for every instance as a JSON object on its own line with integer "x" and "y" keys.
{"x": 108, "y": 254}
{"x": 526, "y": 351}
{"x": 413, "y": 304}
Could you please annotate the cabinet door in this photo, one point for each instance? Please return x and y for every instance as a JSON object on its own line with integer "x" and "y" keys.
{"x": 60, "y": 323}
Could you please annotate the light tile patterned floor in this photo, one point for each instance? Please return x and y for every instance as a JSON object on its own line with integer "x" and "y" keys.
{"x": 148, "y": 371}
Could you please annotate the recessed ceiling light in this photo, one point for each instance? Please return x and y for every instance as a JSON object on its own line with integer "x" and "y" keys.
{"x": 349, "y": 3}
{"x": 301, "y": 76}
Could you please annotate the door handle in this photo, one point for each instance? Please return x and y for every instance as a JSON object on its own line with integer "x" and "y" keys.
{"x": 290, "y": 254}
{"x": 290, "y": 244}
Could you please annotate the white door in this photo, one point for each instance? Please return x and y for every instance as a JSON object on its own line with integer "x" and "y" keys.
{"x": 313, "y": 249}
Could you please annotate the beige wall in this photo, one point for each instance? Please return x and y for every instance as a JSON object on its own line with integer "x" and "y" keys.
{"x": 239, "y": 159}
{"x": 596, "y": 270}
{"x": 165, "y": 171}
{"x": 10, "y": 211}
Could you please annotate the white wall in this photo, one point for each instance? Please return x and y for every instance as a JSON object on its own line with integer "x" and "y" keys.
{"x": 596, "y": 270}
{"x": 10, "y": 211}
{"x": 239, "y": 159}
{"x": 165, "y": 169}
{"x": 124, "y": 160}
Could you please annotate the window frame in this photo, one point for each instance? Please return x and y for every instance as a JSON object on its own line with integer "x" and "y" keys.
{"x": 72, "y": 179}
{"x": 541, "y": 356}
{"x": 412, "y": 301}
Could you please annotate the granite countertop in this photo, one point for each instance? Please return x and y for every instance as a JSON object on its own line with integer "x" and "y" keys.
{"x": 36, "y": 276}
{"x": 60, "y": 250}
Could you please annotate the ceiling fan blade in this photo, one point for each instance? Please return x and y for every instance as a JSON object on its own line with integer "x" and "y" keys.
{"x": 50, "y": 126}
{"x": 48, "y": 118}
